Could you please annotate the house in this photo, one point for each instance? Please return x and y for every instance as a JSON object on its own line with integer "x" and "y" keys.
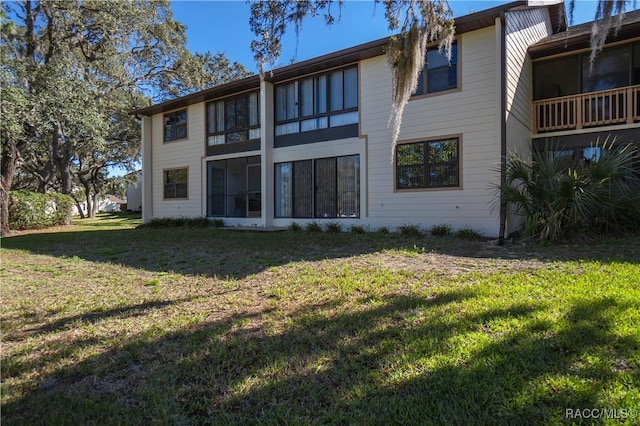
{"x": 310, "y": 142}
{"x": 134, "y": 193}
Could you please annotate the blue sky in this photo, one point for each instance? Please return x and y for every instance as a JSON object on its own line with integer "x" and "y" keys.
{"x": 223, "y": 26}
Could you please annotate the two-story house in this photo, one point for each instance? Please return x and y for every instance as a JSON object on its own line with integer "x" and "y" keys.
{"x": 311, "y": 141}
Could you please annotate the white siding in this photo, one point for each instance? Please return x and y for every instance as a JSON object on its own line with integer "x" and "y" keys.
{"x": 471, "y": 113}
{"x": 178, "y": 154}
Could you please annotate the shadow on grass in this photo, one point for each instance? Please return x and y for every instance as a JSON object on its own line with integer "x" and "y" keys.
{"x": 237, "y": 254}
{"x": 404, "y": 360}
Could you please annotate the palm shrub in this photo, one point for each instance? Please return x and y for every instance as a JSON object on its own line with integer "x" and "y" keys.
{"x": 560, "y": 198}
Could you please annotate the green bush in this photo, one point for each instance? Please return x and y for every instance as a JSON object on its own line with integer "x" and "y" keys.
{"x": 295, "y": 227}
{"x": 313, "y": 228}
{"x": 383, "y": 230}
{"x": 34, "y": 210}
{"x": 469, "y": 234}
{"x": 561, "y": 198}
{"x": 440, "y": 230}
{"x": 333, "y": 227}
{"x": 182, "y": 222}
{"x": 410, "y": 230}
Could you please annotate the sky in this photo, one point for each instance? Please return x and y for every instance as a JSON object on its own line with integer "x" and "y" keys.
{"x": 223, "y": 26}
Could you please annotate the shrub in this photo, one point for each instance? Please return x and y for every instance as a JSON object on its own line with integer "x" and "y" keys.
{"x": 469, "y": 234}
{"x": 357, "y": 229}
{"x": 333, "y": 227}
{"x": 218, "y": 223}
{"x": 34, "y": 210}
{"x": 313, "y": 227}
{"x": 440, "y": 230}
{"x": 295, "y": 227}
{"x": 410, "y": 230}
{"x": 561, "y": 198}
{"x": 182, "y": 222}
{"x": 382, "y": 230}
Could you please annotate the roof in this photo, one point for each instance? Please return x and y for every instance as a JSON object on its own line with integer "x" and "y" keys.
{"x": 466, "y": 23}
{"x": 579, "y": 36}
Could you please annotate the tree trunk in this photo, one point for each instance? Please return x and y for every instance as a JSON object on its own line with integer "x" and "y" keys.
{"x": 62, "y": 159}
{"x": 9, "y": 165}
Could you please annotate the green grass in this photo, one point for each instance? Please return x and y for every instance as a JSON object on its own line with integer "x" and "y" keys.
{"x": 104, "y": 323}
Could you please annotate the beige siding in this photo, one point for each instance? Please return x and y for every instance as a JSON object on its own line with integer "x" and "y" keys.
{"x": 471, "y": 113}
{"x": 178, "y": 154}
{"x": 524, "y": 28}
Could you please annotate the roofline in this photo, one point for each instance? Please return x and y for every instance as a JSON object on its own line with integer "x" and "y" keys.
{"x": 581, "y": 41}
{"x": 463, "y": 24}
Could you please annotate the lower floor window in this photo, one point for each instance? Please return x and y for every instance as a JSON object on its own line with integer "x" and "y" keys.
{"x": 175, "y": 183}
{"x": 428, "y": 164}
{"x": 320, "y": 188}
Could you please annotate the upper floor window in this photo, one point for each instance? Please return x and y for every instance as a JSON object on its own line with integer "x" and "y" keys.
{"x": 614, "y": 67}
{"x": 233, "y": 119}
{"x": 175, "y": 183}
{"x": 175, "y": 125}
{"x": 317, "y": 102}
{"x": 438, "y": 74}
{"x": 428, "y": 164}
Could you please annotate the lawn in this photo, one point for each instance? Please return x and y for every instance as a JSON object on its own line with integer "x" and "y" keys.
{"x": 106, "y": 323}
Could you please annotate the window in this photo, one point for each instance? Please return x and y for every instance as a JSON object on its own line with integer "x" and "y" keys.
{"x": 438, "y": 74}
{"x": 321, "y": 188}
{"x": 614, "y": 67}
{"x": 233, "y": 119}
{"x": 234, "y": 187}
{"x": 428, "y": 164}
{"x": 317, "y": 102}
{"x": 175, "y": 183}
{"x": 175, "y": 125}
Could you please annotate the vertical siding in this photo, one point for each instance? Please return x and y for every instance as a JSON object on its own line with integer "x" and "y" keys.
{"x": 177, "y": 154}
{"x": 471, "y": 113}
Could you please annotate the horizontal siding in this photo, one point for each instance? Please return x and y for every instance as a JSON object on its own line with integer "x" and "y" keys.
{"x": 524, "y": 28}
{"x": 471, "y": 113}
{"x": 178, "y": 154}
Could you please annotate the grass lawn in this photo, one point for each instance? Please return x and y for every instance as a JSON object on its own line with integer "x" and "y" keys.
{"x": 103, "y": 323}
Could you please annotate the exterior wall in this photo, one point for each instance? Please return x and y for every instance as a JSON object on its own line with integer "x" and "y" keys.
{"x": 523, "y": 28}
{"x": 179, "y": 154}
{"x": 471, "y": 113}
{"x": 134, "y": 194}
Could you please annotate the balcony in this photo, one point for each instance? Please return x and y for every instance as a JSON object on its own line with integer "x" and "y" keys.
{"x": 587, "y": 110}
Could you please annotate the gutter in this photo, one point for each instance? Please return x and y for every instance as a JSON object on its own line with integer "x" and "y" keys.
{"x": 503, "y": 124}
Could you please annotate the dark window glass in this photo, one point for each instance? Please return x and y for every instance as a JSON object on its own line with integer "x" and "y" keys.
{"x": 325, "y": 178}
{"x": 233, "y": 119}
{"x": 317, "y": 102}
{"x": 175, "y": 183}
{"x": 556, "y": 78}
{"x": 322, "y": 188}
{"x": 302, "y": 189}
{"x": 429, "y": 164}
{"x": 636, "y": 64}
{"x": 609, "y": 70}
{"x": 175, "y": 125}
{"x": 438, "y": 74}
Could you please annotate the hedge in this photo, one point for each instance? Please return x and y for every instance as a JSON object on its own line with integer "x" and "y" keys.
{"x": 34, "y": 210}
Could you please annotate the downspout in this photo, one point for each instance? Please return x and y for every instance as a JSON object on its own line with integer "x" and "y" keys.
{"x": 503, "y": 124}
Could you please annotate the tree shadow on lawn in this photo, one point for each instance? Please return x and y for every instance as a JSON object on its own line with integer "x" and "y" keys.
{"x": 400, "y": 360}
{"x": 238, "y": 254}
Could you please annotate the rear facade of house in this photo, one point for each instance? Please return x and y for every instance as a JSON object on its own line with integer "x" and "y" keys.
{"x": 311, "y": 141}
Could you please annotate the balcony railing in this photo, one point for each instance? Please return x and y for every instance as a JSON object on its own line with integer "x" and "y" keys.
{"x": 594, "y": 109}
